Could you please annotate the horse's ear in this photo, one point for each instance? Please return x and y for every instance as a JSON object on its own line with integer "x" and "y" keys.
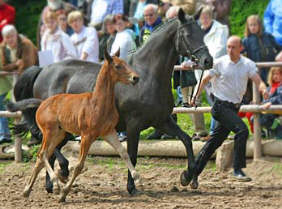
{"x": 181, "y": 15}
{"x": 117, "y": 52}
{"x": 197, "y": 14}
{"x": 107, "y": 56}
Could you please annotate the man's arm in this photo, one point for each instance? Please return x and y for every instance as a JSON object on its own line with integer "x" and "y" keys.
{"x": 260, "y": 85}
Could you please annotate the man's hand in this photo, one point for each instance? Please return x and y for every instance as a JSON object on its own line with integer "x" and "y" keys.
{"x": 266, "y": 105}
{"x": 265, "y": 94}
{"x": 187, "y": 65}
{"x": 193, "y": 101}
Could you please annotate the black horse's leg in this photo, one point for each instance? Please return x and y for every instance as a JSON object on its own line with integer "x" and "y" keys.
{"x": 171, "y": 128}
{"x": 132, "y": 149}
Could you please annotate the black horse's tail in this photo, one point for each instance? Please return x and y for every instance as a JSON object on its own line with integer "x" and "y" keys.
{"x": 23, "y": 104}
{"x": 24, "y": 90}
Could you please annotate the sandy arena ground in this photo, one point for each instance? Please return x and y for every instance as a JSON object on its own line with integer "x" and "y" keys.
{"x": 103, "y": 185}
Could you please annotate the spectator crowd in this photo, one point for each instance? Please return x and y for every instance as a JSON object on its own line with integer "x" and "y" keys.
{"x": 83, "y": 29}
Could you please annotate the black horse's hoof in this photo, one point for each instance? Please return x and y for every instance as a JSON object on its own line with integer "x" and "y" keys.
{"x": 132, "y": 191}
{"x": 194, "y": 184}
{"x": 49, "y": 189}
{"x": 185, "y": 178}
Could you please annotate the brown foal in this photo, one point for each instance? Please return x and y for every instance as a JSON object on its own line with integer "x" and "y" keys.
{"x": 89, "y": 115}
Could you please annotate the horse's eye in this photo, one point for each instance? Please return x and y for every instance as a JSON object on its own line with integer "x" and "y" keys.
{"x": 118, "y": 67}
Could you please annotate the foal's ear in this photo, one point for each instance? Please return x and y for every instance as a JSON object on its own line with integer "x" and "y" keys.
{"x": 117, "y": 52}
{"x": 197, "y": 14}
{"x": 107, "y": 56}
{"x": 181, "y": 15}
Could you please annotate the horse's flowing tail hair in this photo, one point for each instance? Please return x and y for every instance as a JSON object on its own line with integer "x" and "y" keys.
{"x": 23, "y": 104}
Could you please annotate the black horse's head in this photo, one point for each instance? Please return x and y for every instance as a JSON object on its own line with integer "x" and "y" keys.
{"x": 189, "y": 41}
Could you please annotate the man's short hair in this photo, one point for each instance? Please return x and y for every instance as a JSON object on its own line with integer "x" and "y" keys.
{"x": 74, "y": 15}
{"x": 8, "y": 29}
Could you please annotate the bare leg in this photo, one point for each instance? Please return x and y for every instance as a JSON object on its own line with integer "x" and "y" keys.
{"x": 112, "y": 139}
{"x": 37, "y": 168}
{"x": 84, "y": 147}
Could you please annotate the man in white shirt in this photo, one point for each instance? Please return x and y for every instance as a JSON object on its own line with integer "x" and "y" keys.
{"x": 229, "y": 78}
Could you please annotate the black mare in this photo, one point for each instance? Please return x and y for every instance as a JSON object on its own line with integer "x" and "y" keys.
{"x": 149, "y": 103}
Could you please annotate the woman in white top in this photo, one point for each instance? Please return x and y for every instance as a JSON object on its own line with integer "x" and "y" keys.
{"x": 123, "y": 39}
{"x": 85, "y": 39}
{"x": 56, "y": 40}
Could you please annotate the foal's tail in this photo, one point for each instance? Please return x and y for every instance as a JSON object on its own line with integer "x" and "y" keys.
{"x": 23, "y": 104}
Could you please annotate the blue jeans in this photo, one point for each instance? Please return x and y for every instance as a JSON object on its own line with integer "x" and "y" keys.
{"x": 4, "y": 128}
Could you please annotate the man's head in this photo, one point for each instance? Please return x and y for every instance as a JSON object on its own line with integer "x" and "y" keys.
{"x": 54, "y": 4}
{"x": 150, "y": 13}
{"x": 234, "y": 47}
{"x": 206, "y": 17}
{"x": 75, "y": 20}
{"x": 10, "y": 34}
{"x": 172, "y": 12}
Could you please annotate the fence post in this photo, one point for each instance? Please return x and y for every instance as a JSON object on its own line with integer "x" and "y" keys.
{"x": 257, "y": 128}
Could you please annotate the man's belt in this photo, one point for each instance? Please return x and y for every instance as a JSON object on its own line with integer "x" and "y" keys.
{"x": 229, "y": 104}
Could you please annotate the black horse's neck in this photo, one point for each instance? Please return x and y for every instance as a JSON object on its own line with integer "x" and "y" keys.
{"x": 159, "y": 52}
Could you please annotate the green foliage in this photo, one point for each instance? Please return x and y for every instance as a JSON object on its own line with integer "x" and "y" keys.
{"x": 27, "y": 16}
{"x": 241, "y": 9}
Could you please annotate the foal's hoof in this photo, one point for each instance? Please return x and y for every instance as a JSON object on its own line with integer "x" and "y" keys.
{"x": 137, "y": 178}
{"x": 185, "y": 178}
{"x": 62, "y": 198}
{"x": 26, "y": 193}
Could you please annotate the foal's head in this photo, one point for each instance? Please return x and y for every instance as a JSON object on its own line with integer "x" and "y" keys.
{"x": 120, "y": 70}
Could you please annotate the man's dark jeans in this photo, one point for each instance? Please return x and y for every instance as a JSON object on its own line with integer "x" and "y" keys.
{"x": 228, "y": 120}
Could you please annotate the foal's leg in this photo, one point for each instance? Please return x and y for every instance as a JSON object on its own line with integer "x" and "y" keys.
{"x": 37, "y": 168}
{"x": 112, "y": 139}
{"x": 84, "y": 148}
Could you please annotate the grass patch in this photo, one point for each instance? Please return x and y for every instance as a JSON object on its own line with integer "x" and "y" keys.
{"x": 277, "y": 168}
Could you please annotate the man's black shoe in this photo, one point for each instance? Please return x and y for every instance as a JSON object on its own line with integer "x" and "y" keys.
{"x": 241, "y": 176}
{"x": 155, "y": 135}
{"x": 5, "y": 140}
{"x": 166, "y": 136}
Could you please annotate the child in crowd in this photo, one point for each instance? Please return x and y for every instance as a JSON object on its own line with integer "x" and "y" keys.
{"x": 57, "y": 41}
{"x": 259, "y": 45}
{"x": 271, "y": 121}
{"x": 85, "y": 39}
{"x": 62, "y": 22}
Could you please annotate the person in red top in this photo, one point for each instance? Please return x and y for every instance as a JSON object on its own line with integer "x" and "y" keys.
{"x": 7, "y": 15}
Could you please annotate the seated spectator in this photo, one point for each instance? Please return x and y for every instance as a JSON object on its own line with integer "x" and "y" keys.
{"x": 101, "y": 8}
{"x": 63, "y": 23}
{"x": 52, "y": 5}
{"x": 106, "y": 36}
{"x": 273, "y": 20}
{"x": 7, "y": 16}
{"x": 85, "y": 39}
{"x": 259, "y": 46}
{"x": 271, "y": 121}
{"x": 152, "y": 21}
{"x": 17, "y": 51}
{"x": 123, "y": 40}
{"x": 57, "y": 41}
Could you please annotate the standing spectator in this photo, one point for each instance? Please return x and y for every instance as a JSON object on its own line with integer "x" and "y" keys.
{"x": 273, "y": 20}
{"x": 229, "y": 76}
{"x": 123, "y": 39}
{"x": 7, "y": 16}
{"x": 52, "y": 5}
{"x": 271, "y": 121}
{"x": 101, "y": 8}
{"x": 259, "y": 46}
{"x": 215, "y": 38}
{"x": 56, "y": 40}
{"x": 152, "y": 21}
{"x": 17, "y": 51}
{"x": 63, "y": 23}
{"x": 106, "y": 36}
{"x": 85, "y": 39}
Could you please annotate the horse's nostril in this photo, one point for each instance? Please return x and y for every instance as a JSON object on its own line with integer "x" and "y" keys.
{"x": 135, "y": 79}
